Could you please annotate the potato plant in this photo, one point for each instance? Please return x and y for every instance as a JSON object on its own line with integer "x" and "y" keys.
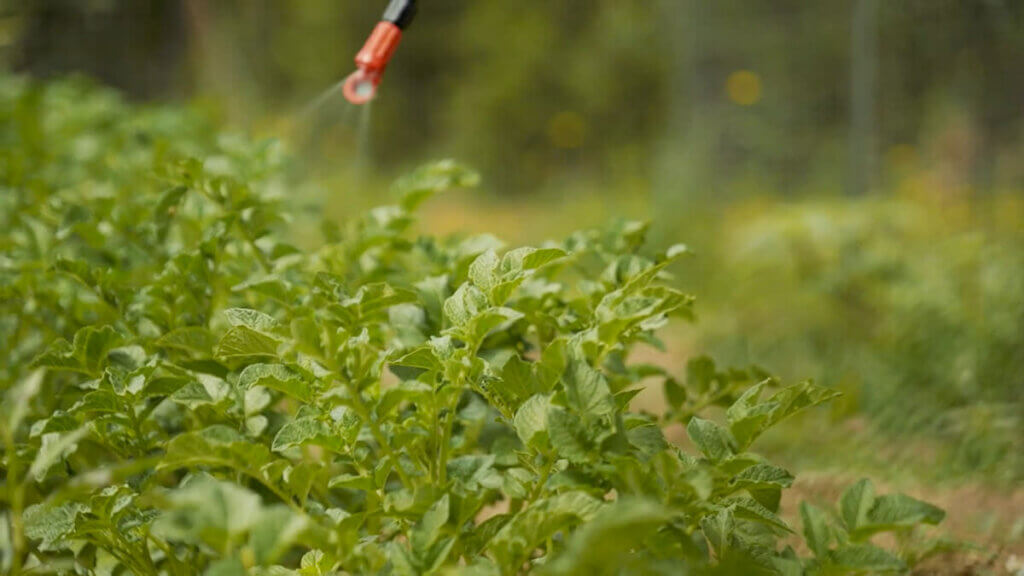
{"x": 185, "y": 392}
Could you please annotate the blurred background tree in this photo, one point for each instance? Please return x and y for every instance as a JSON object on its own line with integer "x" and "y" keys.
{"x": 696, "y": 96}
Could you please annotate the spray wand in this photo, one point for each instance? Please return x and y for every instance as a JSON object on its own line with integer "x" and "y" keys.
{"x": 361, "y": 86}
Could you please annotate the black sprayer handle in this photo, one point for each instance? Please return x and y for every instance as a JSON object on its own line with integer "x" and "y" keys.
{"x": 400, "y": 13}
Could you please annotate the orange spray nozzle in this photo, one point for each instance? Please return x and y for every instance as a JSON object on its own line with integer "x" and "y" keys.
{"x": 361, "y": 86}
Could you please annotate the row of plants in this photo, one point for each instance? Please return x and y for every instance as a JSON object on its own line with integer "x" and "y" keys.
{"x": 185, "y": 392}
{"x": 912, "y": 306}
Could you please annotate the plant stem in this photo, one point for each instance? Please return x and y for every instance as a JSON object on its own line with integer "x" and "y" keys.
{"x": 446, "y": 437}
{"x": 549, "y": 465}
{"x": 260, "y": 256}
{"x": 378, "y": 435}
{"x": 697, "y": 407}
{"x": 15, "y": 495}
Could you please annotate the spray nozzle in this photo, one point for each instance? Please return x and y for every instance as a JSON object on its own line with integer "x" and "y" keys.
{"x": 361, "y": 86}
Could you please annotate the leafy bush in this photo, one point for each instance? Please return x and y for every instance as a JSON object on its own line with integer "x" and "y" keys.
{"x": 916, "y": 307}
{"x": 185, "y": 392}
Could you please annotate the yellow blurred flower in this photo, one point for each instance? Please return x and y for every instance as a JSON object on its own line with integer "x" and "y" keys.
{"x": 744, "y": 87}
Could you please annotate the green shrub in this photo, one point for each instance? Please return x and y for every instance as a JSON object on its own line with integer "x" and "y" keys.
{"x": 184, "y": 392}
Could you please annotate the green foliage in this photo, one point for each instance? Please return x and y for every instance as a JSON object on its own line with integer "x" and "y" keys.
{"x": 912, "y": 306}
{"x": 841, "y": 542}
{"x": 186, "y": 393}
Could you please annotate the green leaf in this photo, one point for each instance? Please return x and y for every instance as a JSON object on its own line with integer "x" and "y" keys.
{"x": 625, "y": 398}
{"x": 490, "y": 320}
{"x": 377, "y": 297}
{"x": 255, "y": 400}
{"x": 622, "y": 311}
{"x": 59, "y": 356}
{"x": 499, "y": 279}
{"x": 798, "y": 397}
{"x": 764, "y": 483}
{"x": 676, "y": 250}
{"x": 77, "y": 269}
{"x": 553, "y": 361}
{"x": 204, "y": 390}
{"x": 675, "y": 393}
{"x": 242, "y": 342}
{"x": 208, "y": 511}
{"x": 483, "y": 272}
{"x": 463, "y": 306}
{"x": 16, "y": 400}
{"x": 276, "y": 377}
{"x": 87, "y": 353}
{"x": 865, "y": 558}
{"x": 518, "y": 377}
{"x": 422, "y": 357}
{"x": 587, "y": 389}
{"x": 277, "y": 530}
{"x": 317, "y": 563}
{"x": 749, "y": 417}
{"x": 760, "y": 475}
{"x": 353, "y": 481}
{"x": 428, "y": 530}
{"x": 855, "y": 503}
{"x": 434, "y": 178}
{"x": 816, "y": 530}
{"x": 433, "y": 291}
{"x": 192, "y": 339}
{"x": 166, "y": 207}
{"x": 49, "y": 523}
{"x": 539, "y": 521}
{"x": 750, "y": 509}
{"x": 864, "y": 514}
{"x": 474, "y": 472}
{"x": 55, "y": 447}
{"x": 59, "y": 422}
{"x": 531, "y": 421}
{"x": 900, "y": 510}
{"x": 647, "y": 439}
{"x": 98, "y": 402}
{"x": 611, "y": 538}
{"x": 345, "y": 424}
{"x": 303, "y": 431}
{"x": 252, "y": 319}
{"x": 409, "y": 391}
{"x": 541, "y": 257}
{"x": 718, "y": 528}
{"x": 568, "y": 436}
{"x": 216, "y": 446}
{"x": 712, "y": 440}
